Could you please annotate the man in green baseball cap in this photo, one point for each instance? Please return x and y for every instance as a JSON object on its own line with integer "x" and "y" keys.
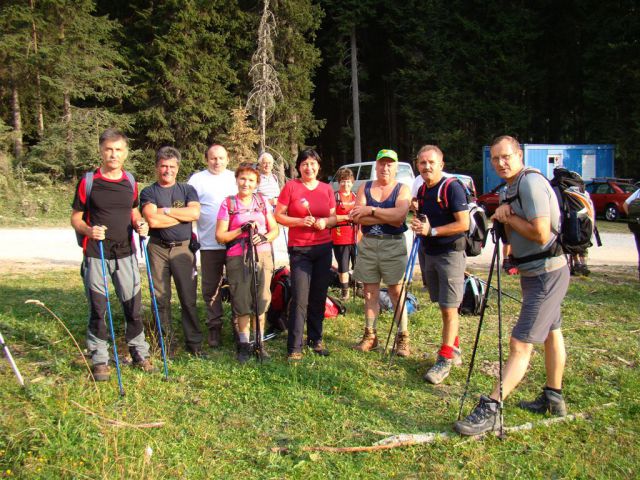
{"x": 384, "y": 153}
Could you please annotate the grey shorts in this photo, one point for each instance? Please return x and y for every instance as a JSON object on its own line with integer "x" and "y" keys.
{"x": 542, "y": 297}
{"x": 444, "y": 274}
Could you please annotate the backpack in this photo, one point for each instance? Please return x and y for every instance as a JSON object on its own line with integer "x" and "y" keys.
{"x": 333, "y": 307}
{"x": 88, "y": 186}
{"x": 278, "y": 313}
{"x": 411, "y": 303}
{"x": 472, "y": 297}
{"x": 476, "y": 236}
{"x": 634, "y": 216}
{"x": 577, "y": 215}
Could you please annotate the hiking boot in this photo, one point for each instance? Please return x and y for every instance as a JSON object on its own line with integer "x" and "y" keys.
{"x": 345, "y": 294}
{"x": 244, "y": 352}
{"x": 101, "y": 372}
{"x": 484, "y": 418}
{"x": 369, "y": 340}
{"x": 439, "y": 371}
{"x": 547, "y": 401}
{"x": 294, "y": 357}
{"x": 263, "y": 355}
{"x": 215, "y": 337}
{"x": 359, "y": 290}
{"x": 318, "y": 348}
{"x": 457, "y": 357}
{"x": 145, "y": 365}
{"x": 195, "y": 351}
{"x": 581, "y": 269}
{"x": 402, "y": 347}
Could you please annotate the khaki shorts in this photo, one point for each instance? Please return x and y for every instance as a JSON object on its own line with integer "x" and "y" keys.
{"x": 381, "y": 259}
{"x": 240, "y": 279}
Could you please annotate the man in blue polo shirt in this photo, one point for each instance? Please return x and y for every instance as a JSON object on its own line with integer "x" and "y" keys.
{"x": 444, "y": 204}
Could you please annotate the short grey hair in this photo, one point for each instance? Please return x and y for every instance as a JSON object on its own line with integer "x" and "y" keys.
{"x": 167, "y": 153}
{"x": 265, "y": 155}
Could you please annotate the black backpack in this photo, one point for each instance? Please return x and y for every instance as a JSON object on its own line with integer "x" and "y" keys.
{"x": 577, "y": 215}
{"x": 634, "y": 216}
{"x": 474, "y": 291}
{"x": 476, "y": 236}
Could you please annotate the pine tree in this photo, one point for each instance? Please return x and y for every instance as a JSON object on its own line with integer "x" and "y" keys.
{"x": 241, "y": 140}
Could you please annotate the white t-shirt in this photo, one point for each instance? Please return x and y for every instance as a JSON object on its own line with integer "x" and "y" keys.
{"x": 212, "y": 190}
{"x": 269, "y": 186}
{"x": 633, "y": 196}
{"x": 417, "y": 183}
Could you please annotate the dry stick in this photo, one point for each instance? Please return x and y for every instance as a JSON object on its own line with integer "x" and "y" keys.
{"x": 41, "y": 304}
{"x": 118, "y": 423}
{"x": 408, "y": 439}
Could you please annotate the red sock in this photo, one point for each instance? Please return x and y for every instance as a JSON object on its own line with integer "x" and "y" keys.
{"x": 446, "y": 351}
{"x": 456, "y": 342}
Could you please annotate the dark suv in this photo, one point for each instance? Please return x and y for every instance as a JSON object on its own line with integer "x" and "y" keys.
{"x": 608, "y": 195}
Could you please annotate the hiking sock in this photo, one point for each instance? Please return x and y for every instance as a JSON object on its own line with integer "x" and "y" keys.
{"x": 446, "y": 351}
{"x": 371, "y": 322}
{"x": 456, "y": 342}
{"x": 403, "y": 322}
{"x": 344, "y": 286}
{"x": 243, "y": 337}
{"x": 555, "y": 390}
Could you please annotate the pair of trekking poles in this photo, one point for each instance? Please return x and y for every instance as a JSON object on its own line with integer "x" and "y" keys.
{"x": 143, "y": 247}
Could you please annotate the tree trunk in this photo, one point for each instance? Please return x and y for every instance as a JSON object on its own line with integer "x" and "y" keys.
{"x": 70, "y": 160}
{"x": 293, "y": 148}
{"x": 39, "y": 112}
{"x": 355, "y": 95}
{"x": 17, "y": 123}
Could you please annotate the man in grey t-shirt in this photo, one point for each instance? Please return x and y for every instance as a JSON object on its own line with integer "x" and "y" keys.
{"x": 531, "y": 218}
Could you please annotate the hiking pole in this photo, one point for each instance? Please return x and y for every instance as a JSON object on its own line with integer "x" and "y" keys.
{"x": 491, "y": 286}
{"x": 154, "y": 303}
{"x": 500, "y": 338}
{"x": 113, "y": 335}
{"x": 408, "y": 272}
{"x": 355, "y": 228}
{"x": 253, "y": 261}
{"x": 14, "y": 367}
{"x": 482, "y": 311}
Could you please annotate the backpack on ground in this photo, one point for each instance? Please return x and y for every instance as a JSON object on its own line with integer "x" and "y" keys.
{"x": 278, "y": 313}
{"x": 88, "y": 186}
{"x": 333, "y": 307}
{"x": 634, "y": 216}
{"x": 474, "y": 291}
{"x": 411, "y": 303}
{"x": 476, "y": 236}
{"x": 577, "y": 215}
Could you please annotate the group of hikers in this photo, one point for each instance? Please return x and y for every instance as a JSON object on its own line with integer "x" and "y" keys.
{"x": 238, "y": 216}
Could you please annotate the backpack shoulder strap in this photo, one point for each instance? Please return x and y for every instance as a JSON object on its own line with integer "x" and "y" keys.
{"x": 262, "y": 204}
{"x": 338, "y": 198}
{"x": 231, "y": 205}
{"x": 88, "y": 185}
{"x": 443, "y": 190}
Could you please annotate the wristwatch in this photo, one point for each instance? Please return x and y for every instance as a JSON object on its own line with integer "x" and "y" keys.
{"x": 166, "y": 210}
{"x": 373, "y": 211}
{"x": 433, "y": 233}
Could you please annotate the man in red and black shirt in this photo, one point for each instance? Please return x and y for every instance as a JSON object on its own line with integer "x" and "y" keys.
{"x": 109, "y": 214}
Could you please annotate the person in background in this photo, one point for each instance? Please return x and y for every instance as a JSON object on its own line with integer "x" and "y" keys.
{"x": 307, "y": 207}
{"x": 212, "y": 185}
{"x": 633, "y": 223}
{"x": 268, "y": 186}
{"x": 345, "y": 234}
{"x": 246, "y": 221}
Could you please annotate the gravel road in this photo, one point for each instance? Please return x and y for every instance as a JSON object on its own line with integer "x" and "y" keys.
{"x": 51, "y": 247}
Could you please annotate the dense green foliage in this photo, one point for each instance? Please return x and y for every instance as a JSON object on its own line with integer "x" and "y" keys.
{"x": 454, "y": 73}
{"x": 222, "y": 420}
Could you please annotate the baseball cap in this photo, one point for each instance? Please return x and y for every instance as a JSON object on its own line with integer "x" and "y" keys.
{"x": 384, "y": 153}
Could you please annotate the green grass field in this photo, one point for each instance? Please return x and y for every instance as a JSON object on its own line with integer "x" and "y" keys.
{"x": 223, "y": 420}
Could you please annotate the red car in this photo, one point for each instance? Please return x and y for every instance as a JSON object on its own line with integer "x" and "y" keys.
{"x": 608, "y": 195}
{"x": 490, "y": 200}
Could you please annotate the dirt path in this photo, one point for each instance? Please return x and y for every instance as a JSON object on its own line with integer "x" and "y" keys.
{"x": 25, "y": 249}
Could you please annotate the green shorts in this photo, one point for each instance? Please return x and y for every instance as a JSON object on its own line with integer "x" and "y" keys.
{"x": 381, "y": 259}
{"x": 240, "y": 279}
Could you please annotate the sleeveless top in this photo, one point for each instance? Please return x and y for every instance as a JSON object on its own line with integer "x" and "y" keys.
{"x": 390, "y": 202}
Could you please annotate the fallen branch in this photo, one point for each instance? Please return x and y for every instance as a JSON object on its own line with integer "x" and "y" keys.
{"x": 408, "y": 439}
{"x": 118, "y": 423}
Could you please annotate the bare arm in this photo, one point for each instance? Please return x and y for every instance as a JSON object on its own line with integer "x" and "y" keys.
{"x": 396, "y": 215}
{"x": 95, "y": 232}
{"x": 537, "y": 230}
{"x": 223, "y": 234}
{"x": 459, "y": 225}
{"x": 155, "y": 219}
{"x": 283, "y": 219}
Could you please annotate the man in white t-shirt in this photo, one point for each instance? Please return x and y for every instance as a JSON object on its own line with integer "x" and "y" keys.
{"x": 213, "y": 185}
{"x": 268, "y": 185}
